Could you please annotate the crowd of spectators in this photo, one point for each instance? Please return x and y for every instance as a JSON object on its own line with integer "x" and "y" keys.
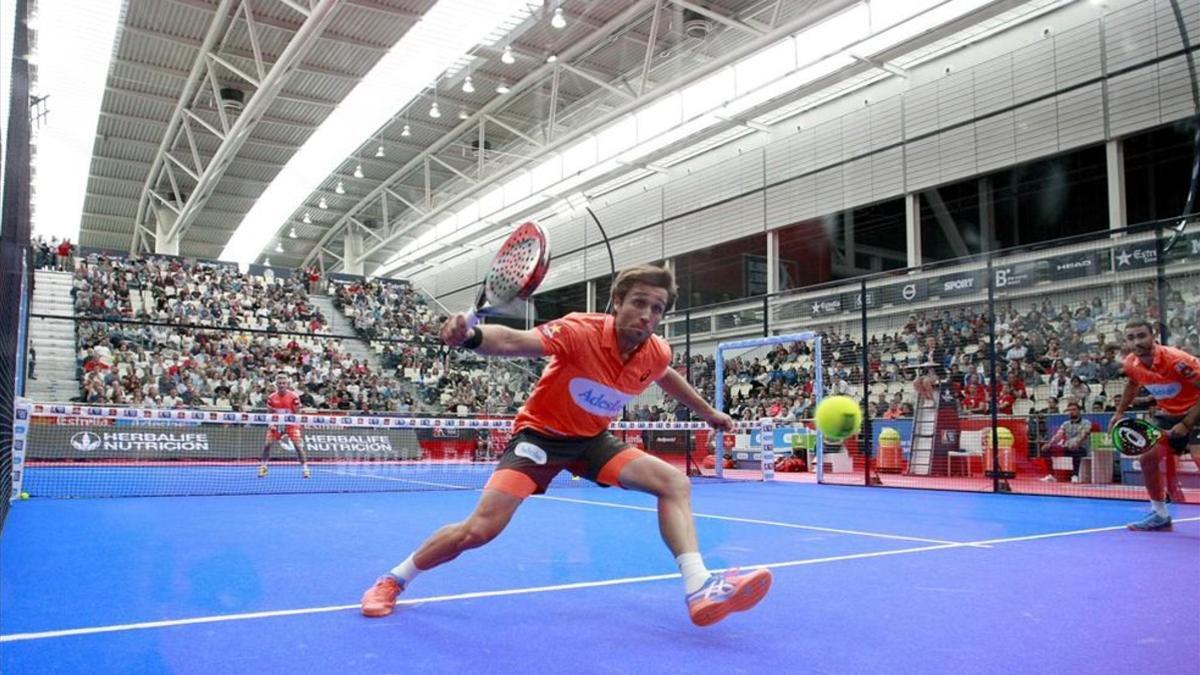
{"x": 53, "y": 254}
{"x": 160, "y": 352}
{"x": 206, "y": 334}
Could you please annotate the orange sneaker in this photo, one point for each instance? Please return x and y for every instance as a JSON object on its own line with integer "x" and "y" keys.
{"x": 380, "y": 599}
{"x": 726, "y": 593}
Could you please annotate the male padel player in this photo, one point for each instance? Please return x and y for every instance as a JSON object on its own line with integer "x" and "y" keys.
{"x": 282, "y": 401}
{"x": 1172, "y": 376}
{"x": 598, "y": 363}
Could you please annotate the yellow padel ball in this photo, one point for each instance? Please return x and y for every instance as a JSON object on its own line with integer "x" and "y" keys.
{"x": 838, "y": 417}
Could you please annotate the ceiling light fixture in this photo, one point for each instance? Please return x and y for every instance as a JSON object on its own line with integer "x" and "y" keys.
{"x": 279, "y": 247}
{"x": 339, "y": 188}
{"x": 358, "y": 172}
{"x": 559, "y": 21}
{"x": 292, "y": 233}
{"x": 322, "y": 204}
{"x": 379, "y": 151}
{"x": 307, "y": 219}
{"x": 502, "y": 88}
{"x": 507, "y": 56}
{"x": 434, "y": 112}
{"x": 405, "y": 132}
{"x": 447, "y": 31}
{"x": 468, "y": 86}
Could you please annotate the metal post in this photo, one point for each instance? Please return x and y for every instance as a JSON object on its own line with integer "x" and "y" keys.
{"x": 866, "y": 385}
{"x": 719, "y": 404}
{"x": 1160, "y": 274}
{"x": 687, "y": 364}
{"x": 766, "y": 316}
{"x": 819, "y": 390}
{"x": 991, "y": 310}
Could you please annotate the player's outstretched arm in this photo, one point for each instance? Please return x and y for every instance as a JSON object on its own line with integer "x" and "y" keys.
{"x": 674, "y": 384}
{"x": 493, "y": 340}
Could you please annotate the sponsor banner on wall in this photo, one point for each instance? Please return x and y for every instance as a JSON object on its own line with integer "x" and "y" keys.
{"x": 913, "y": 290}
{"x": 83, "y": 442}
{"x": 1134, "y": 256}
{"x": 825, "y": 305}
{"x": 959, "y": 283}
{"x": 1017, "y": 275}
{"x": 1075, "y": 265}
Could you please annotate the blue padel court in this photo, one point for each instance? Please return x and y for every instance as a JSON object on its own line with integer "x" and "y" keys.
{"x": 866, "y": 580}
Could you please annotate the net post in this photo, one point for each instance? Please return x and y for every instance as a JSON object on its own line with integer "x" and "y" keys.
{"x": 819, "y": 390}
{"x": 719, "y": 400}
{"x": 766, "y": 442}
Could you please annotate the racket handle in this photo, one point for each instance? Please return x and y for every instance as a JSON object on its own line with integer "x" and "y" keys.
{"x": 472, "y": 318}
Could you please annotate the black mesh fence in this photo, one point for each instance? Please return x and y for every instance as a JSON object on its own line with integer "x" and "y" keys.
{"x": 999, "y": 372}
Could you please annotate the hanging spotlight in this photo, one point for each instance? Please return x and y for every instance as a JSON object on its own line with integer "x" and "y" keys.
{"x": 339, "y": 188}
{"x": 322, "y": 204}
{"x": 379, "y": 151}
{"x": 266, "y": 261}
{"x": 468, "y": 86}
{"x": 462, "y": 114}
{"x": 405, "y": 132}
{"x": 358, "y": 171}
{"x": 552, "y": 58}
{"x": 434, "y": 112}
{"x": 307, "y": 218}
{"x": 559, "y": 21}
{"x": 502, "y": 88}
{"x": 507, "y": 56}
{"x": 292, "y": 233}
{"x": 279, "y": 247}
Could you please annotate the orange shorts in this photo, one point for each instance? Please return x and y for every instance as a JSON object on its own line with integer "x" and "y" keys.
{"x": 292, "y": 431}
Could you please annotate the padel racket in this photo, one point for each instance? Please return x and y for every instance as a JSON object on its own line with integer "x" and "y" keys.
{"x": 518, "y": 268}
{"x": 1134, "y": 437}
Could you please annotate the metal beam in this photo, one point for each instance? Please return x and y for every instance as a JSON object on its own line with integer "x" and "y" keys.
{"x": 720, "y": 18}
{"x": 215, "y": 29}
{"x": 597, "y": 81}
{"x": 260, "y": 101}
{"x": 182, "y": 75}
{"x": 946, "y": 221}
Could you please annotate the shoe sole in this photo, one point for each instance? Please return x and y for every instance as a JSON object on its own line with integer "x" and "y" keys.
{"x": 382, "y": 611}
{"x": 1164, "y": 528}
{"x": 748, "y": 594}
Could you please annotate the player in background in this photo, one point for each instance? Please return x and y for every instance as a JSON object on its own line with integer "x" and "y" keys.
{"x": 283, "y": 400}
{"x": 1172, "y": 376}
{"x": 598, "y": 363}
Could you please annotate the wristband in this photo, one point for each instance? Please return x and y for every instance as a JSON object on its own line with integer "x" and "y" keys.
{"x": 475, "y": 340}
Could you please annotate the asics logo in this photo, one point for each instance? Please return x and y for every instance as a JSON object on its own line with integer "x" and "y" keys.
{"x": 596, "y": 398}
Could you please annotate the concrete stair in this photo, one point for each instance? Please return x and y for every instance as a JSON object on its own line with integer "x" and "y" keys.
{"x": 54, "y": 339}
{"x": 339, "y": 324}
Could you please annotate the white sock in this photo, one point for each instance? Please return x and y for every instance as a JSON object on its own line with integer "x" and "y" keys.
{"x": 691, "y": 566}
{"x": 406, "y": 571}
{"x": 1160, "y": 508}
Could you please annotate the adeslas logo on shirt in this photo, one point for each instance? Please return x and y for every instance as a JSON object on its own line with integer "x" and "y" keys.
{"x": 596, "y": 398}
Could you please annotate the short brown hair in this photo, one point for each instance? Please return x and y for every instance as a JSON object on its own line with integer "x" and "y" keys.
{"x": 645, "y": 274}
{"x": 1137, "y": 323}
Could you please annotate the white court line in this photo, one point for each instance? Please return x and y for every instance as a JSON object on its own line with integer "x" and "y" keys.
{"x": 398, "y": 480}
{"x": 756, "y": 521}
{"x": 168, "y": 623}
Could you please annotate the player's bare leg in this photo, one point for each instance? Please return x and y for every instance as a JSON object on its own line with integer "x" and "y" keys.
{"x": 710, "y": 597}
{"x": 491, "y": 515}
{"x": 303, "y": 460}
{"x": 266, "y": 454}
{"x": 1160, "y": 518}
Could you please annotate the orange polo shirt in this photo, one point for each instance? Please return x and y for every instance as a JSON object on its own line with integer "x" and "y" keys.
{"x": 586, "y": 384}
{"x": 1173, "y": 378}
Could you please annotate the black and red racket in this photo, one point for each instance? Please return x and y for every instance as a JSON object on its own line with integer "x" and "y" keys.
{"x": 518, "y": 268}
